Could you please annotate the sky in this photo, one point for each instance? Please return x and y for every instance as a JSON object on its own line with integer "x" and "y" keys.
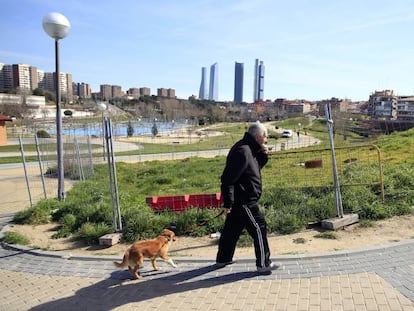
{"x": 311, "y": 49}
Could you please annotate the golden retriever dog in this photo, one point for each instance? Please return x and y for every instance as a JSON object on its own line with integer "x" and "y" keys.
{"x": 158, "y": 247}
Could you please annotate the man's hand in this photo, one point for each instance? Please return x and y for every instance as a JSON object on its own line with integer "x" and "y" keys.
{"x": 265, "y": 150}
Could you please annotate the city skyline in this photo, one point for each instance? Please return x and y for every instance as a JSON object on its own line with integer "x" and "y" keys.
{"x": 312, "y": 50}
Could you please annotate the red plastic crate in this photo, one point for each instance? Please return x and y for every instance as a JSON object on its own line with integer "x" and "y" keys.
{"x": 212, "y": 200}
{"x": 174, "y": 203}
{"x": 179, "y": 203}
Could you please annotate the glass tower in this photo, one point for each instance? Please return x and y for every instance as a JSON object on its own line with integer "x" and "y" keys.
{"x": 213, "y": 89}
{"x": 202, "y": 94}
{"x": 258, "y": 87}
{"x": 238, "y": 82}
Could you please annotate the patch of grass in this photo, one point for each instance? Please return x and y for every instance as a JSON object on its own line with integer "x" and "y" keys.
{"x": 329, "y": 235}
{"x": 245, "y": 241}
{"x": 38, "y": 214}
{"x": 15, "y": 238}
{"x": 366, "y": 223}
{"x": 299, "y": 241}
{"x": 90, "y": 233}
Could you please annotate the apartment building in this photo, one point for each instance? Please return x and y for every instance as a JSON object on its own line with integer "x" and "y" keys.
{"x": 6, "y": 76}
{"x": 81, "y": 90}
{"x": 405, "y": 108}
{"x": 337, "y": 105}
{"x": 116, "y": 91}
{"x": 25, "y": 78}
{"x": 383, "y": 105}
{"x": 162, "y": 92}
{"x": 105, "y": 91}
{"x": 144, "y": 91}
{"x": 291, "y": 108}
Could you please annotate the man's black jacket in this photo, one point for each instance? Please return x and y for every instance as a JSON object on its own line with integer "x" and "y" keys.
{"x": 241, "y": 181}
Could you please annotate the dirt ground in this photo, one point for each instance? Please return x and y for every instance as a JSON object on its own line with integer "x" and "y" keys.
{"x": 351, "y": 238}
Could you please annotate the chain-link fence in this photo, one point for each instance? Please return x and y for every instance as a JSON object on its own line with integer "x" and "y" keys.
{"x": 33, "y": 176}
{"x": 358, "y": 165}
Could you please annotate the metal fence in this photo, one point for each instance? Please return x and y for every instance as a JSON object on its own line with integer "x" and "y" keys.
{"x": 34, "y": 178}
{"x": 359, "y": 165}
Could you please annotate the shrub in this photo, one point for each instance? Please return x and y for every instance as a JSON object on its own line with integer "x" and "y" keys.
{"x": 68, "y": 226}
{"x": 42, "y": 134}
{"x": 198, "y": 222}
{"x": 93, "y": 213}
{"x": 38, "y": 214}
{"x": 288, "y": 223}
{"x": 68, "y": 113}
{"x": 90, "y": 233}
{"x": 15, "y": 238}
{"x": 366, "y": 223}
{"x": 141, "y": 223}
{"x": 374, "y": 211}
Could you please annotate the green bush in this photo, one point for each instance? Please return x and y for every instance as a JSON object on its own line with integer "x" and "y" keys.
{"x": 376, "y": 211}
{"x": 68, "y": 113}
{"x": 38, "y": 214}
{"x": 42, "y": 134}
{"x": 198, "y": 222}
{"x": 142, "y": 223}
{"x": 94, "y": 213}
{"x": 15, "y": 238}
{"x": 68, "y": 225}
{"x": 366, "y": 223}
{"x": 286, "y": 223}
{"x": 90, "y": 233}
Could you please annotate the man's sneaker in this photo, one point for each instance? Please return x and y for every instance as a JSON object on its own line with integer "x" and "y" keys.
{"x": 223, "y": 264}
{"x": 269, "y": 268}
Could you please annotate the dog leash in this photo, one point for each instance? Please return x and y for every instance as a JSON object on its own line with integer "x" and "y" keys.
{"x": 203, "y": 223}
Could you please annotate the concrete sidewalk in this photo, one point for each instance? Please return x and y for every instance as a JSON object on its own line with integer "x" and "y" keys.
{"x": 380, "y": 278}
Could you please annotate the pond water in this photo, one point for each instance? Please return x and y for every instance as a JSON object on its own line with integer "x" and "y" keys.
{"x": 120, "y": 128}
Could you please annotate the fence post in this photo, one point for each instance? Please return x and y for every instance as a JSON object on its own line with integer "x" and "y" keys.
{"x": 39, "y": 159}
{"x": 25, "y": 170}
{"x": 113, "y": 184}
{"x": 338, "y": 198}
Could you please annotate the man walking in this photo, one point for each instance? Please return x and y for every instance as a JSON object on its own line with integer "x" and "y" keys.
{"x": 241, "y": 188}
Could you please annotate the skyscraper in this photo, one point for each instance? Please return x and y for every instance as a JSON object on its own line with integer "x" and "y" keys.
{"x": 258, "y": 87}
{"x": 238, "y": 82}
{"x": 202, "y": 94}
{"x": 213, "y": 89}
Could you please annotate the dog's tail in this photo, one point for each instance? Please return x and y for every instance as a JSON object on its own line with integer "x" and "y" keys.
{"x": 123, "y": 264}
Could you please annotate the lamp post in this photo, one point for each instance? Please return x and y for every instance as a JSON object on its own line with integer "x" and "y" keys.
{"x": 102, "y": 108}
{"x": 57, "y": 26}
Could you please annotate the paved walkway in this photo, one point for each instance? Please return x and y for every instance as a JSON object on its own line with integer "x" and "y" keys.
{"x": 380, "y": 278}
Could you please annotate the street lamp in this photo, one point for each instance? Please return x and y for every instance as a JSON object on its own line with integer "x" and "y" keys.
{"x": 102, "y": 108}
{"x": 57, "y": 26}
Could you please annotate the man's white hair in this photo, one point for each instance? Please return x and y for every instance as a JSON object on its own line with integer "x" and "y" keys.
{"x": 257, "y": 128}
